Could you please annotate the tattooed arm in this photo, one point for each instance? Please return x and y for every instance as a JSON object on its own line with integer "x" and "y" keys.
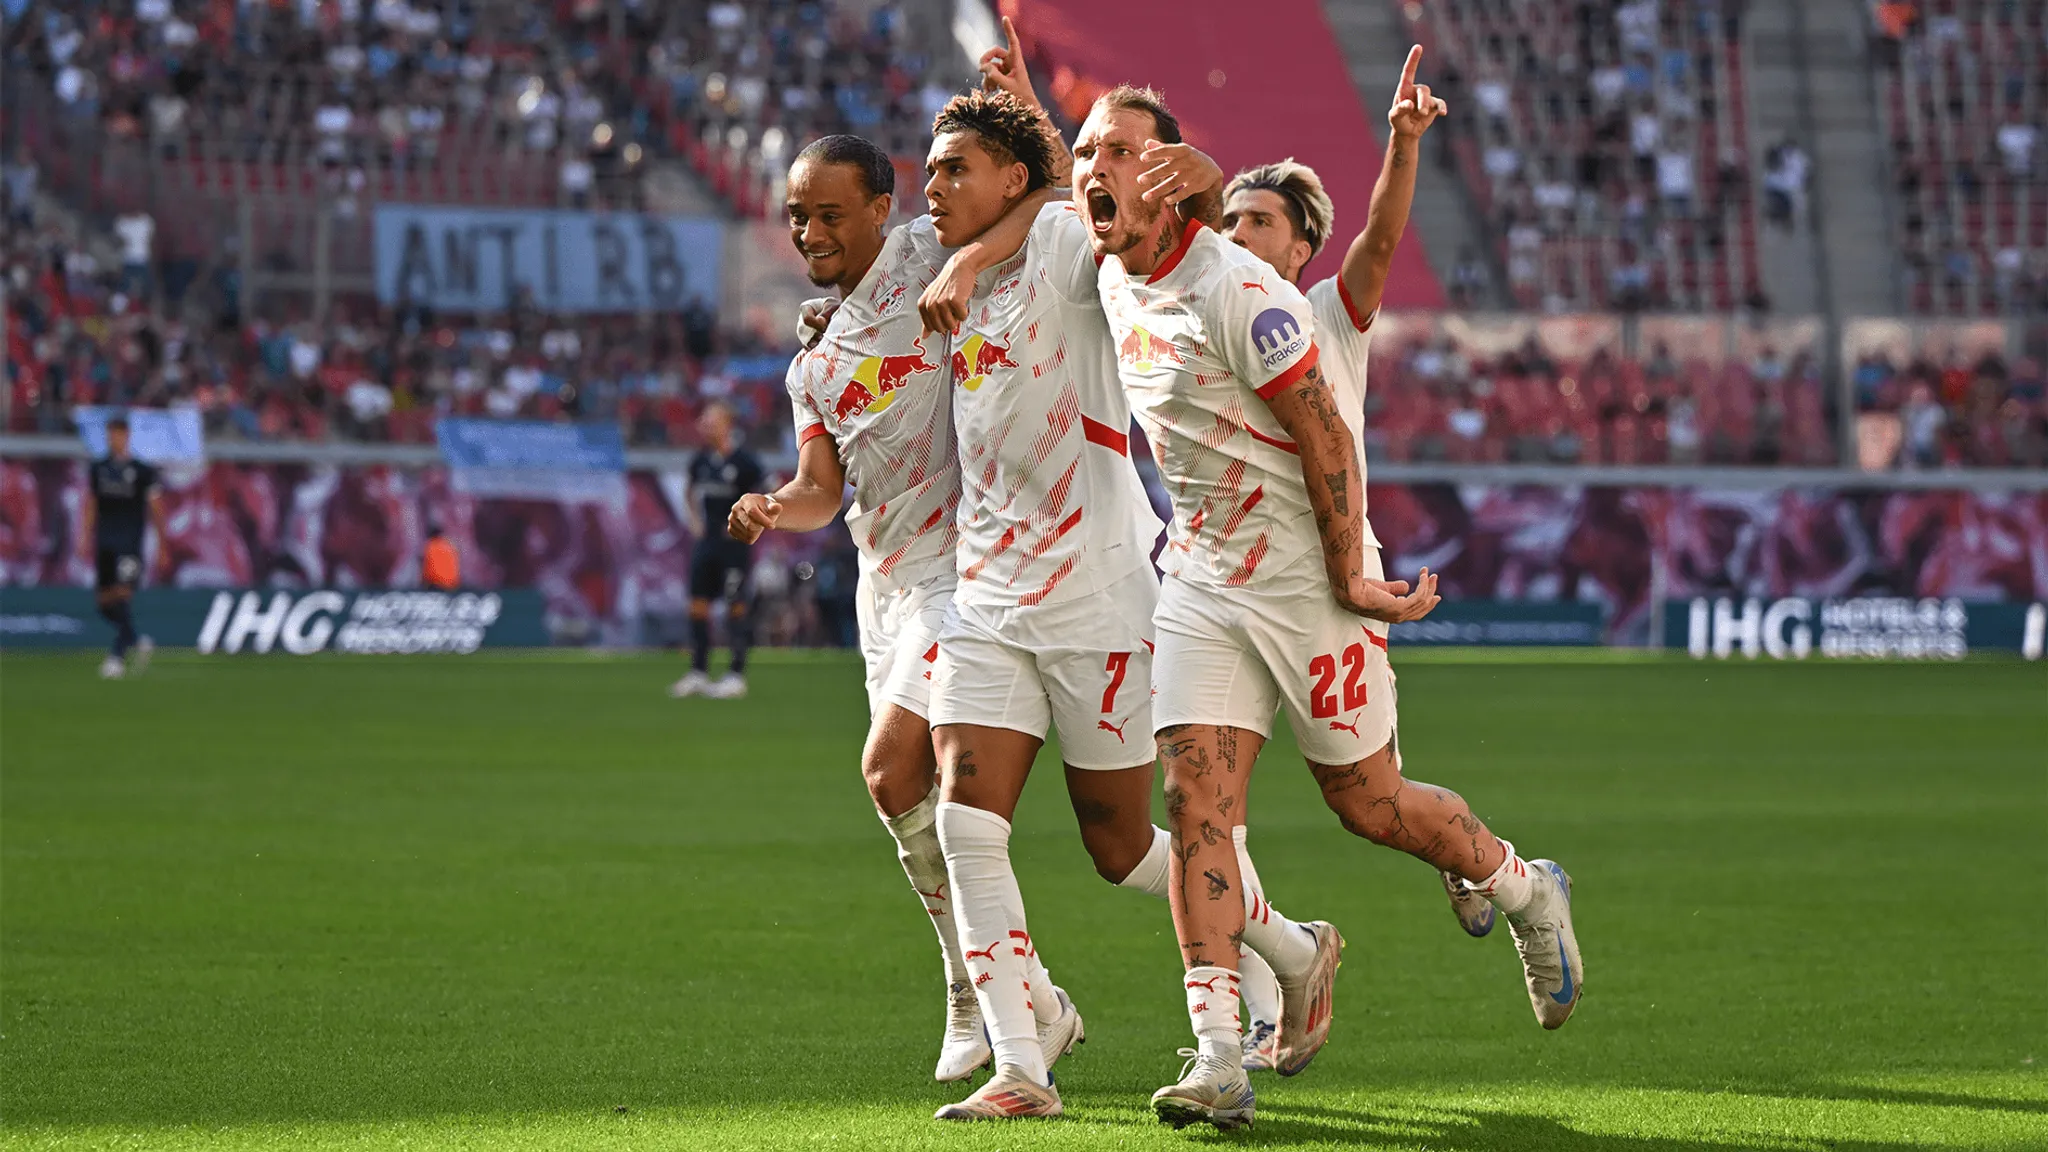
{"x": 1371, "y": 255}
{"x": 1307, "y": 409}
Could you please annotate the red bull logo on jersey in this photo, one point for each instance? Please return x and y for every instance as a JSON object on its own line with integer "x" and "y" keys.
{"x": 976, "y": 357}
{"x": 1143, "y": 351}
{"x": 877, "y": 379}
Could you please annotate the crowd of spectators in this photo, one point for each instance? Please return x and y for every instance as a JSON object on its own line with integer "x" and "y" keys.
{"x": 1963, "y": 90}
{"x": 79, "y": 333}
{"x": 541, "y": 101}
{"x": 1959, "y": 410}
{"x": 1433, "y": 400}
{"x": 1607, "y": 145}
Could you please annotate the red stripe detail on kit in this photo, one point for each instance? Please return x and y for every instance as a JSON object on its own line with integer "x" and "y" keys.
{"x": 1273, "y": 387}
{"x": 1099, "y": 433}
{"x": 1180, "y": 251}
{"x": 1244, "y": 571}
{"x": 1351, "y": 306}
{"x": 810, "y": 432}
{"x": 1283, "y": 445}
{"x": 1376, "y": 639}
{"x": 1237, "y": 518}
{"x": 1038, "y": 597}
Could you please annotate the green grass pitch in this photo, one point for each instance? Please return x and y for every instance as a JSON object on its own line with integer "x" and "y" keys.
{"x": 529, "y": 902}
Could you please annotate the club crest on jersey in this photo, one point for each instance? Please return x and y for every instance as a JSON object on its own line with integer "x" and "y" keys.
{"x": 876, "y": 380}
{"x": 1277, "y": 336}
{"x": 1143, "y": 351}
{"x": 888, "y": 293}
{"x": 976, "y": 357}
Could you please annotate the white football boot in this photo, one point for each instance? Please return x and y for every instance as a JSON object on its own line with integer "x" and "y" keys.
{"x": 1307, "y": 1002}
{"x": 1210, "y": 1091}
{"x": 138, "y": 657}
{"x": 111, "y": 668}
{"x": 1009, "y": 1094}
{"x": 1261, "y": 1046}
{"x": 965, "y": 1048}
{"x": 1549, "y": 949}
{"x": 693, "y": 683}
{"x": 1059, "y": 1037}
{"x": 1474, "y": 912}
{"x": 731, "y": 686}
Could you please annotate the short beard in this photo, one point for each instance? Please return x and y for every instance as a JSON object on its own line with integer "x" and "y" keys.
{"x": 1143, "y": 220}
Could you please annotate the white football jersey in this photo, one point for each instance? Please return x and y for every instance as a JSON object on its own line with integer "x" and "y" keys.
{"x": 1200, "y": 343}
{"x": 1342, "y": 340}
{"x": 1051, "y": 507}
{"x": 878, "y": 386}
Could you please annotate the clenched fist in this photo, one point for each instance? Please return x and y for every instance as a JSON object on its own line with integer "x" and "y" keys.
{"x": 751, "y": 515}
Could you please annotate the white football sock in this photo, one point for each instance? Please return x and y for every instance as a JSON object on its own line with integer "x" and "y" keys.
{"x": 917, "y": 847}
{"x": 988, "y": 908}
{"x": 1258, "y": 985}
{"x": 1287, "y": 946}
{"x": 1213, "y": 1008}
{"x": 1150, "y": 876}
{"x": 1509, "y": 887}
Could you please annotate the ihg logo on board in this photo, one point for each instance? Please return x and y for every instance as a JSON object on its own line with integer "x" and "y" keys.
{"x": 367, "y": 623}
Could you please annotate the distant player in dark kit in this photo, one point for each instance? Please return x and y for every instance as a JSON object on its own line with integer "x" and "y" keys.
{"x": 123, "y": 504}
{"x": 721, "y": 472}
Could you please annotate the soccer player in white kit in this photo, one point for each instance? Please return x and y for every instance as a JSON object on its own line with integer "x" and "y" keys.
{"x": 1051, "y": 623}
{"x": 1273, "y": 597}
{"x": 872, "y": 404}
{"x": 1280, "y": 213}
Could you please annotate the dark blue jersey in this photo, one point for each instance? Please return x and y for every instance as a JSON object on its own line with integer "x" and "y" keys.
{"x": 717, "y": 482}
{"x": 120, "y": 496}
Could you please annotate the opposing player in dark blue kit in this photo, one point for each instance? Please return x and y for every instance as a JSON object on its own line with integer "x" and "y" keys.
{"x": 122, "y": 506}
{"x": 721, "y": 472}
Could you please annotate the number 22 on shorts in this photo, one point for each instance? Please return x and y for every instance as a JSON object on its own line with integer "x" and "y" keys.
{"x": 1322, "y": 701}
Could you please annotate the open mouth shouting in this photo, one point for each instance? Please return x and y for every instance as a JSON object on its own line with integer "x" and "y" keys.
{"x": 1102, "y": 211}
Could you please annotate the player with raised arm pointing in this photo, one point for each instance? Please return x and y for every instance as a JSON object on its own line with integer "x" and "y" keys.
{"x": 1273, "y": 598}
{"x": 1280, "y": 213}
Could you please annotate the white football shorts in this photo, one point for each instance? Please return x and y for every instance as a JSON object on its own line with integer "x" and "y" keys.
{"x": 1234, "y": 656}
{"x": 1082, "y": 667}
{"x": 899, "y": 636}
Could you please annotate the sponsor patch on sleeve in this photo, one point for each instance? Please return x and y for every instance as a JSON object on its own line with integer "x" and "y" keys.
{"x": 1278, "y": 336}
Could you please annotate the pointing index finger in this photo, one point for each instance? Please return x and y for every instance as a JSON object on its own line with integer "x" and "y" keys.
{"x": 1407, "y": 69}
{"x": 1010, "y": 34}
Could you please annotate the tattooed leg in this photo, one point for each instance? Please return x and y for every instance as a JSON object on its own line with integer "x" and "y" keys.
{"x": 983, "y": 767}
{"x": 1373, "y": 800}
{"x": 1207, "y": 770}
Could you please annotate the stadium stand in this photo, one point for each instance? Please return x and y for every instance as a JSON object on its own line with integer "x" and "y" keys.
{"x": 1963, "y": 88}
{"x": 1608, "y": 149}
{"x": 1511, "y": 390}
{"x": 77, "y": 334}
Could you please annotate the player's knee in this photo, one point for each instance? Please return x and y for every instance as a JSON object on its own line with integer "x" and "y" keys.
{"x": 1116, "y": 839}
{"x": 894, "y": 782}
{"x": 1114, "y": 852}
{"x": 1375, "y": 819}
{"x": 1188, "y": 804}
